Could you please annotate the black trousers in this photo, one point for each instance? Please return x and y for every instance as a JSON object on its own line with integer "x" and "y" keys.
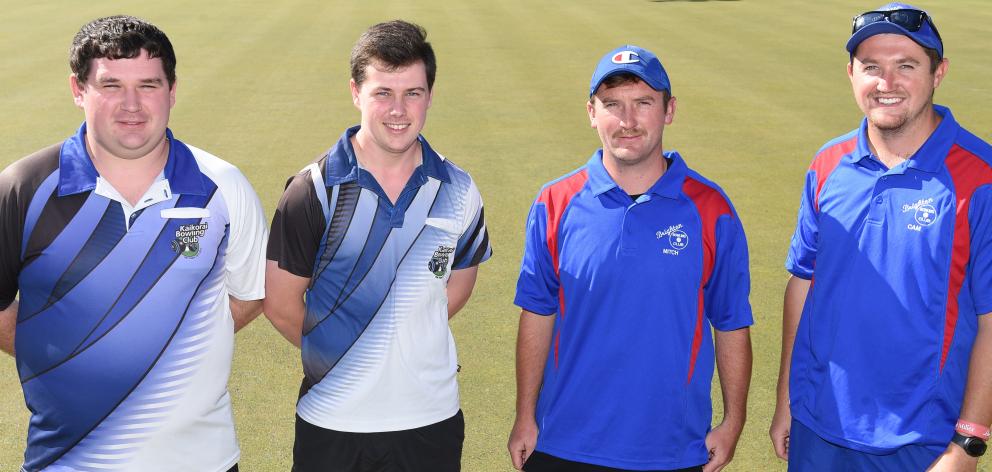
{"x": 432, "y": 448}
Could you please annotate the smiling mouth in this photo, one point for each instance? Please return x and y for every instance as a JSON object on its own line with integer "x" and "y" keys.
{"x": 888, "y": 100}
{"x": 397, "y": 126}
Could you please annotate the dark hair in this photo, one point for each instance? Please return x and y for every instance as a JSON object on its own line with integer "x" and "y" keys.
{"x": 625, "y": 78}
{"x": 120, "y": 37}
{"x": 394, "y": 44}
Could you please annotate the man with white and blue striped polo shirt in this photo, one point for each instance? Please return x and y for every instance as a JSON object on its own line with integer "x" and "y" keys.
{"x": 374, "y": 247}
{"x": 887, "y": 340}
{"x": 136, "y": 257}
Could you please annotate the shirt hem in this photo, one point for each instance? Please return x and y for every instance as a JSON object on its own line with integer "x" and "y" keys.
{"x": 620, "y": 463}
{"x": 857, "y": 446}
{"x": 358, "y": 426}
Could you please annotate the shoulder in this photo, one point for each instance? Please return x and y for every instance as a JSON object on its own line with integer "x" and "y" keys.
{"x": 562, "y": 189}
{"x": 31, "y": 170}
{"x": 830, "y": 153}
{"x": 706, "y": 194}
{"x": 459, "y": 177}
{"x": 223, "y": 173}
{"x": 976, "y": 146}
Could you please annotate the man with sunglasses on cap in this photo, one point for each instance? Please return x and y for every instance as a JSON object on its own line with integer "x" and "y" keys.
{"x": 884, "y": 357}
{"x": 628, "y": 262}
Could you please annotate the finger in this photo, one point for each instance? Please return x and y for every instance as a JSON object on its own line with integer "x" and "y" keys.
{"x": 517, "y": 458}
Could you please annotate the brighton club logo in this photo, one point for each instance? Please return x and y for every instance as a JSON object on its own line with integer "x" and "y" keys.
{"x": 677, "y": 239}
{"x": 438, "y": 265}
{"x": 187, "y": 242}
{"x": 924, "y": 214}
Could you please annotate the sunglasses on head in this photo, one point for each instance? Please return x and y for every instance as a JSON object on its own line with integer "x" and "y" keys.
{"x": 911, "y": 20}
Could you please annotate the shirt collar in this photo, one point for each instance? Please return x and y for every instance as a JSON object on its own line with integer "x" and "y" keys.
{"x": 77, "y": 173}
{"x": 668, "y": 186}
{"x": 342, "y": 164}
{"x": 930, "y": 156}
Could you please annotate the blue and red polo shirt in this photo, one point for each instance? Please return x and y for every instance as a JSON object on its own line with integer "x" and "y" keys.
{"x": 635, "y": 286}
{"x": 901, "y": 264}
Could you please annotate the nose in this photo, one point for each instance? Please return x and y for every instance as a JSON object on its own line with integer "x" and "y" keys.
{"x": 886, "y": 81}
{"x": 397, "y": 107}
{"x": 132, "y": 100}
{"x": 628, "y": 119}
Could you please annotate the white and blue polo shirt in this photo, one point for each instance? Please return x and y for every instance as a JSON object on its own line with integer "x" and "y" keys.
{"x": 901, "y": 266}
{"x": 636, "y": 286}
{"x": 124, "y": 334}
{"x": 377, "y": 351}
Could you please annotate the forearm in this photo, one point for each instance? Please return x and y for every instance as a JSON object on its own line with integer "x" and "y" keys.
{"x": 734, "y": 359}
{"x": 8, "y": 324}
{"x": 284, "y": 305}
{"x": 459, "y": 289}
{"x": 244, "y": 311}
{"x": 533, "y": 345}
{"x": 796, "y": 290}
{"x": 977, "y": 406}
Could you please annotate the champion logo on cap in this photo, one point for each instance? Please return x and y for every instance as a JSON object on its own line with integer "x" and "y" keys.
{"x": 626, "y": 57}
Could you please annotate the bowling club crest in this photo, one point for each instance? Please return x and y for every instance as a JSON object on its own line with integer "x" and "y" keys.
{"x": 438, "y": 265}
{"x": 187, "y": 242}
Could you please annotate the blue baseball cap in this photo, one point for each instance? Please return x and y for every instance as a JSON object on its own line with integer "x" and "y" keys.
{"x": 927, "y": 36}
{"x": 633, "y": 60}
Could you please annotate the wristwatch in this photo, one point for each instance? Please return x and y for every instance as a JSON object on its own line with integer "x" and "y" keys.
{"x": 972, "y": 446}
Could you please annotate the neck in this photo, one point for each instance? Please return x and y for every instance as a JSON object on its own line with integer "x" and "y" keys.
{"x": 636, "y": 178}
{"x": 894, "y": 146}
{"x": 130, "y": 177}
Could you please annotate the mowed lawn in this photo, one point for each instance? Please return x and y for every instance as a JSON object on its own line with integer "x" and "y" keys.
{"x": 760, "y": 84}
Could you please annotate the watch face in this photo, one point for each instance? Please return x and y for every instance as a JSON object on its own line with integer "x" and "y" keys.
{"x": 975, "y": 447}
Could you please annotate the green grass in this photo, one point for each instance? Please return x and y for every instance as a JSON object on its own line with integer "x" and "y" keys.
{"x": 761, "y": 85}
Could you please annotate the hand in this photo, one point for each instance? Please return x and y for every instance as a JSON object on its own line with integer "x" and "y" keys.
{"x": 954, "y": 459}
{"x": 523, "y": 438}
{"x": 779, "y": 431}
{"x": 721, "y": 442}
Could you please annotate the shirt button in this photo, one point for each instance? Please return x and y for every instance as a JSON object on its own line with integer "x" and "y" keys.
{"x": 878, "y": 200}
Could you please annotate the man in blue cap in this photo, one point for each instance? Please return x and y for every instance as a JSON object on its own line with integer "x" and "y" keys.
{"x": 628, "y": 263}
{"x": 885, "y": 357}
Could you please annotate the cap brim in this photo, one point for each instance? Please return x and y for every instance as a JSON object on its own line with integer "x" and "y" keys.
{"x": 660, "y": 87}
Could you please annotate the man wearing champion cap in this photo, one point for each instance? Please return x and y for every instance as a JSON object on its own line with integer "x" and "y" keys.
{"x": 885, "y": 357}
{"x": 628, "y": 262}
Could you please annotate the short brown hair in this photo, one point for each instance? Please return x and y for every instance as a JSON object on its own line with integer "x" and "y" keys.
{"x": 120, "y": 37}
{"x": 394, "y": 44}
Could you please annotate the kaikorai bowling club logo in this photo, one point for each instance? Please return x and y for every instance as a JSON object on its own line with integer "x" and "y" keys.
{"x": 187, "y": 242}
{"x": 438, "y": 265}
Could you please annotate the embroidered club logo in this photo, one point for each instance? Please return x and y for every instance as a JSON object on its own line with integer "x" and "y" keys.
{"x": 438, "y": 265}
{"x": 924, "y": 213}
{"x": 677, "y": 239}
{"x": 626, "y": 57}
{"x": 187, "y": 242}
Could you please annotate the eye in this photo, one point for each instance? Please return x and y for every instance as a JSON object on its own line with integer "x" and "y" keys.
{"x": 413, "y": 94}
{"x": 382, "y": 93}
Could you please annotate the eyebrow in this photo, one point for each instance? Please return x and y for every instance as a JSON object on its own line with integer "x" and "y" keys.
{"x": 114, "y": 80}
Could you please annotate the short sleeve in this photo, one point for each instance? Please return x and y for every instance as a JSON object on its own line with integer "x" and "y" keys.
{"x": 473, "y": 244}
{"x": 245, "y": 258}
{"x": 802, "y": 249}
{"x": 537, "y": 285}
{"x": 10, "y": 238}
{"x": 726, "y": 292}
{"x": 297, "y": 227}
{"x": 980, "y": 266}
